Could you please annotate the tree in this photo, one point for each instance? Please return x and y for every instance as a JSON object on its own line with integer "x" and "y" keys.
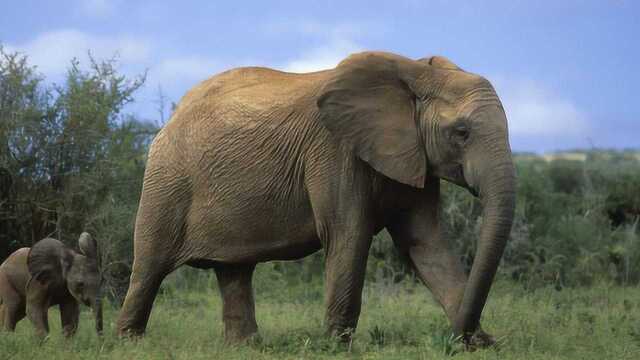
{"x": 25, "y": 112}
{"x": 66, "y": 150}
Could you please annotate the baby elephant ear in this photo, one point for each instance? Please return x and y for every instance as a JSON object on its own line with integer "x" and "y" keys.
{"x": 88, "y": 245}
{"x": 48, "y": 261}
{"x": 368, "y": 105}
{"x": 440, "y": 62}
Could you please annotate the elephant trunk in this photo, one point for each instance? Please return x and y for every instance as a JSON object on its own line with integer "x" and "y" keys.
{"x": 497, "y": 192}
{"x": 97, "y": 313}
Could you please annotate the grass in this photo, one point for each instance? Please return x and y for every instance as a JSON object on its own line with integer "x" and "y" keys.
{"x": 397, "y": 322}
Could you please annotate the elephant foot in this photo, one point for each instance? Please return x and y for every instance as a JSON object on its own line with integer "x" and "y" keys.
{"x": 341, "y": 334}
{"x": 241, "y": 330}
{"x": 241, "y": 337}
{"x": 68, "y": 334}
{"x": 130, "y": 333}
{"x": 479, "y": 340}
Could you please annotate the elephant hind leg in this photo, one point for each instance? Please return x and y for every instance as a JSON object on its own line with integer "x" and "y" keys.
{"x": 10, "y": 315}
{"x": 150, "y": 266}
{"x": 146, "y": 277}
{"x": 158, "y": 239}
{"x": 1, "y": 315}
{"x": 238, "y": 307}
{"x": 12, "y": 305}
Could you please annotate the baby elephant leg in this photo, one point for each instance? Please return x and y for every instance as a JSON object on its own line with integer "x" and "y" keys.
{"x": 69, "y": 313}
{"x": 37, "y": 306}
{"x": 11, "y": 314}
{"x": 12, "y": 308}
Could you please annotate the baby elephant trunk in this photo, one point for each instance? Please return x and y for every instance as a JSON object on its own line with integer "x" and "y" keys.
{"x": 97, "y": 313}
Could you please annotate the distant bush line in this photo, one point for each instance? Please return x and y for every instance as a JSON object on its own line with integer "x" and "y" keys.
{"x": 72, "y": 161}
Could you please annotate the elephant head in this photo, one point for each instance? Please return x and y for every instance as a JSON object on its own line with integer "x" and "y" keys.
{"x": 411, "y": 120}
{"x": 58, "y": 266}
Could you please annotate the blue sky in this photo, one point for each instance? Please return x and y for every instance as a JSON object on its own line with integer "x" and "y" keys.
{"x": 564, "y": 69}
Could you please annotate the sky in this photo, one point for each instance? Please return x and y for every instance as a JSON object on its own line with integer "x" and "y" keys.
{"x": 564, "y": 70}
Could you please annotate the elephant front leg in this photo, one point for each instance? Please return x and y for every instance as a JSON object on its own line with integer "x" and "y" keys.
{"x": 417, "y": 233}
{"x": 441, "y": 271}
{"x": 37, "y": 307}
{"x": 346, "y": 260}
{"x": 343, "y": 212}
{"x": 38, "y": 315}
{"x": 69, "y": 313}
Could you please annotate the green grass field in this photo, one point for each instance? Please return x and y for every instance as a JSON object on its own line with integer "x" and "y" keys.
{"x": 397, "y": 322}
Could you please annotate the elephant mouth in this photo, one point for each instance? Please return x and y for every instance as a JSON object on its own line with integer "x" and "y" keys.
{"x": 455, "y": 174}
{"x": 473, "y": 191}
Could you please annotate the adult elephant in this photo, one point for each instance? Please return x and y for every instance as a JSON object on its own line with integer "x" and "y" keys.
{"x": 258, "y": 165}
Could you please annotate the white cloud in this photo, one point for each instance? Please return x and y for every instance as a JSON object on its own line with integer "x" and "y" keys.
{"x": 323, "y": 57}
{"x": 333, "y": 42}
{"x": 534, "y": 110}
{"x": 187, "y": 69}
{"x": 52, "y": 51}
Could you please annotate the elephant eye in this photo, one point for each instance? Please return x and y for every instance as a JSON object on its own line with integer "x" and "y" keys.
{"x": 461, "y": 133}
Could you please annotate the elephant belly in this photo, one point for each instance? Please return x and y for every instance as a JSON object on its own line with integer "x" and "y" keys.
{"x": 245, "y": 165}
{"x": 250, "y": 231}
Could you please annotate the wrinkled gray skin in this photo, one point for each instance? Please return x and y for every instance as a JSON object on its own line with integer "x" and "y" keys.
{"x": 259, "y": 165}
{"x": 47, "y": 274}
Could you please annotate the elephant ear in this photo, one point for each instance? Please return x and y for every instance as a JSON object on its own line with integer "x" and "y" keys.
{"x": 367, "y": 104}
{"x": 88, "y": 245}
{"x": 440, "y": 62}
{"x": 49, "y": 260}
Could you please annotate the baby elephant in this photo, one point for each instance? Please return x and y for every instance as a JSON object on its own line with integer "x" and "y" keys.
{"x": 50, "y": 273}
